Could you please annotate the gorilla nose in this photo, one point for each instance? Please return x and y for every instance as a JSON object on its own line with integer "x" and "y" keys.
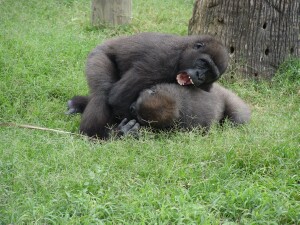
{"x": 200, "y": 75}
{"x": 197, "y": 75}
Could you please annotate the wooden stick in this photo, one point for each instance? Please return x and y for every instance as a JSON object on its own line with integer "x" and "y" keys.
{"x": 36, "y": 128}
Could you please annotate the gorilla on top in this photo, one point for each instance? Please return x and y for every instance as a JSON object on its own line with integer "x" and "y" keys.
{"x": 119, "y": 69}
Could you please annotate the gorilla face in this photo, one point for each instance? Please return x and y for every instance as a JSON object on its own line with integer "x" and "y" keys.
{"x": 202, "y": 72}
{"x": 203, "y": 63}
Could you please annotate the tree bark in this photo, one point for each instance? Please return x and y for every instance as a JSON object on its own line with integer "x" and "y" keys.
{"x": 259, "y": 34}
{"x": 111, "y": 11}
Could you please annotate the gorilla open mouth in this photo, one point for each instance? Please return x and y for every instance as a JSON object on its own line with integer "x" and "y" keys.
{"x": 184, "y": 78}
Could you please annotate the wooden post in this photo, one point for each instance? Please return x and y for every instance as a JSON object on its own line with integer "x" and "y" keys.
{"x": 111, "y": 11}
{"x": 259, "y": 34}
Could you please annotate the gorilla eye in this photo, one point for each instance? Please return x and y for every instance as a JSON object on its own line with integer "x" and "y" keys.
{"x": 199, "y": 45}
{"x": 151, "y": 91}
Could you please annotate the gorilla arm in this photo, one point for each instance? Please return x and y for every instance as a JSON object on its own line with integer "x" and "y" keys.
{"x": 156, "y": 61}
{"x": 101, "y": 74}
{"x": 125, "y": 91}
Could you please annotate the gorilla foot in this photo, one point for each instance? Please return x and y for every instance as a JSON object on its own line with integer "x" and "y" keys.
{"x": 71, "y": 108}
{"x": 77, "y": 105}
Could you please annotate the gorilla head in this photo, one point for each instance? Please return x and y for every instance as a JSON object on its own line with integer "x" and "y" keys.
{"x": 157, "y": 109}
{"x": 203, "y": 63}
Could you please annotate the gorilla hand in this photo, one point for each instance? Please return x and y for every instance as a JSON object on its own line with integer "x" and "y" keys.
{"x": 128, "y": 128}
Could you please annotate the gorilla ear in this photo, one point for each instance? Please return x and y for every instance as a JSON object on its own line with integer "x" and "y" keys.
{"x": 132, "y": 109}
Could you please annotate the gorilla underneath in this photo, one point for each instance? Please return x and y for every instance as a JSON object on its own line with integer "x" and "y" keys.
{"x": 119, "y": 69}
{"x": 167, "y": 105}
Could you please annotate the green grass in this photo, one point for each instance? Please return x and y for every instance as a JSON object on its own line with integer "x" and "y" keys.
{"x": 233, "y": 175}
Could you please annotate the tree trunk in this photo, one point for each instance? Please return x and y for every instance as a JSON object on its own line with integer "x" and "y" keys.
{"x": 259, "y": 34}
{"x": 111, "y": 11}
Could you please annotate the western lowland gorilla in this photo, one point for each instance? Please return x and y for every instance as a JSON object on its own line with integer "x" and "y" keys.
{"x": 167, "y": 105}
{"x": 119, "y": 69}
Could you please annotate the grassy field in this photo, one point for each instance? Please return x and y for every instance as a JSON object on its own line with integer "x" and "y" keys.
{"x": 233, "y": 175}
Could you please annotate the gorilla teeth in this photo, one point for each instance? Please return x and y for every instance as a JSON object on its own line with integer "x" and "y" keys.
{"x": 191, "y": 80}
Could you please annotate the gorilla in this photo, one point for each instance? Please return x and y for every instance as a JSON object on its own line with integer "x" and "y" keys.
{"x": 119, "y": 69}
{"x": 166, "y": 105}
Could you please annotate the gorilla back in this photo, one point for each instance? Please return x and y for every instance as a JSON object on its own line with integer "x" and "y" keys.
{"x": 119, "y": 69}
